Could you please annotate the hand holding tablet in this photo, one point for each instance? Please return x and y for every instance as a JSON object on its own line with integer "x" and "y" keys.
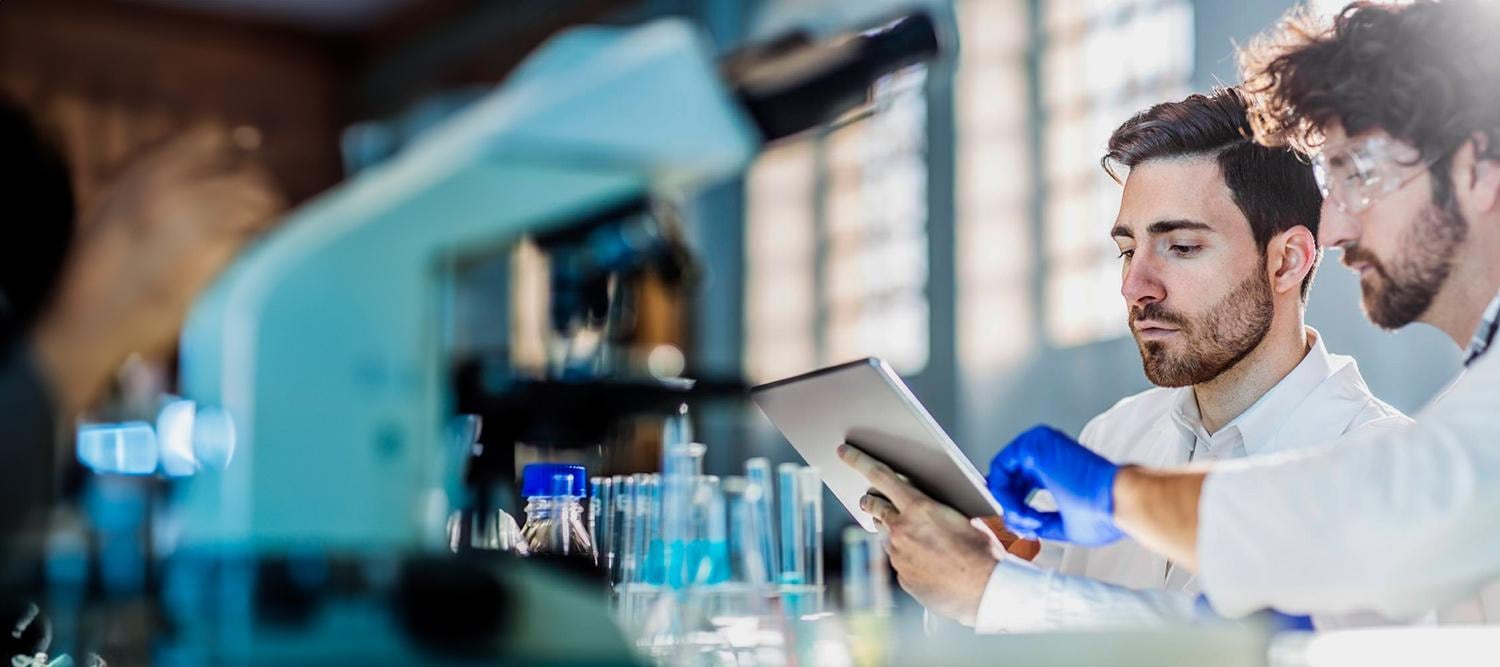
{"x": 866, "y": 404}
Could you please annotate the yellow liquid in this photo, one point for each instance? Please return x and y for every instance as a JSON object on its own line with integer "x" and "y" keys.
{"x": 869, "y": 638}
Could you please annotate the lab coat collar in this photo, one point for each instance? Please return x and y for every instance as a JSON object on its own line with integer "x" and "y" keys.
{"x": 1259, "y": 425}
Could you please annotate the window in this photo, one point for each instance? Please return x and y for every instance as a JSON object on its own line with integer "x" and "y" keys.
{"x": 836, "y": 225}
{"x": 1094, "y": 75}
{"x": 875, "y": 212}
{"x": 836, "y": 242}
{"x": 780, "y": 256}
{"x": 994, "y": 182}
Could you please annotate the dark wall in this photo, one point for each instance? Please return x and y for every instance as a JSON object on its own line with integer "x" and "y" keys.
{"x": 114, "y": 78}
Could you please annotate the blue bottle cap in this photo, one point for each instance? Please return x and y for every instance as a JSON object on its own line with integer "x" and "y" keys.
{"x": 536, "y": 479}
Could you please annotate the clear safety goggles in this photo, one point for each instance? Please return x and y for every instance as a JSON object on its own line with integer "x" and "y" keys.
{"x": 1360, "y": 173}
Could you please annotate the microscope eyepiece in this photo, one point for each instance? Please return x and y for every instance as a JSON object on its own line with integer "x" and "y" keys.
{"x": 795, "y": 83}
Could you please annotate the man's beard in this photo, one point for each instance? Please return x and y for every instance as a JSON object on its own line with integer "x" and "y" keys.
{"x": 1402, "y": 292}
{"x": 1209, "y": 344}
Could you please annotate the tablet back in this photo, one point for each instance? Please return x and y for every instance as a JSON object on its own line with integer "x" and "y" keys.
{"x": 865, "y": 404}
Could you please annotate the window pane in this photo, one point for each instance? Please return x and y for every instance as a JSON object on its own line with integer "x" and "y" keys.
{"x": 836, "y": 243}
{"x": 780, "y": 247}
{"x": 996, "y": 251}
{"x": 1095, "y": 75}
{"x": 876, "y": 265}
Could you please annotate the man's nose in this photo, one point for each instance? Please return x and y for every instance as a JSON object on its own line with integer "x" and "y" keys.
{"x": 1336, "y": 228}
{"x": 1141, "y": 285}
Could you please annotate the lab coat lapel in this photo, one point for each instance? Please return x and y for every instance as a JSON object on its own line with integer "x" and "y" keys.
{"x": 1130, "y": 564}
{"x": 1323, "y": 416}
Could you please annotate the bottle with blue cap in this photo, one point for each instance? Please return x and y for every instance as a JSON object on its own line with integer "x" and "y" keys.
{"x": 554, "y": 511}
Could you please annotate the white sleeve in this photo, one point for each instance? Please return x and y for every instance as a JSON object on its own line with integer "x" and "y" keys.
{"x": 1050, "y": 557}
{"x": 1389, "y": 521}
{"x": 1021, "y": 597}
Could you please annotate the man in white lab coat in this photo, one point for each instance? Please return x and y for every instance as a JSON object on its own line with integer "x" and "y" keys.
{"x": 1401, "y": 106}
{"x": 1217, "y": 240}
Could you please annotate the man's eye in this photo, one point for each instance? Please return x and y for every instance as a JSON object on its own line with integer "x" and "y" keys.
{"x": 1127, "y": 254}
{"x": 1185, "y": 250}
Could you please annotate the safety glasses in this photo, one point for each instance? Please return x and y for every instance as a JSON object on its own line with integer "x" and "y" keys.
{"x": 1360, "y": 173}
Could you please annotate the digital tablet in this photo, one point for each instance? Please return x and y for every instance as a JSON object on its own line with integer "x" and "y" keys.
{"x": 867, "y": 405}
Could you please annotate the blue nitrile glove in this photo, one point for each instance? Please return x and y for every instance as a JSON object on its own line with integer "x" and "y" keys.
{"x": 1270, "y": 618}
{"x": 1288, "y": 623}
{"x": 1081, "y": 482}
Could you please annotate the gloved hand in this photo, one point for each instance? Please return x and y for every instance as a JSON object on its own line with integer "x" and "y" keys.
{"x": 1081, "y": 482}
{"x": 1270, "y": 618}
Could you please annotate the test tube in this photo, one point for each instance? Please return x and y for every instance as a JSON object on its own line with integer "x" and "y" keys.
{"x": 867, "y": 580}
{"x": 696, "y": 452}
{"x": 624, "y": 519}
{"x": 603, "y": 524}
{"x": 793, "y": 549}
{"x": 747, "y": 563}
{"x": 676, "y": 491}
{"x": 681, "y": 464}
{"x": 810, "y": 497}
{"x": 591, "y": 513}
{"x": 758, "y": 475}
{"x": 634, "y": 530}
{"x": 677, "y": 429}
{"x": 708, "y": 552}
{"x": 653, "y": 569}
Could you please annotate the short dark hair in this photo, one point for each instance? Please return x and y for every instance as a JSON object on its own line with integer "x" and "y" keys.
{"x": 1273, "y": 187}
{"x": 1426, "y": 73}
{"x": 36, "y": 190}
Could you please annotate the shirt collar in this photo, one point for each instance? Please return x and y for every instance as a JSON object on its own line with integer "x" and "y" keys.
{"x": 1185, "y": 414}
{"x": 1258, "y": 425}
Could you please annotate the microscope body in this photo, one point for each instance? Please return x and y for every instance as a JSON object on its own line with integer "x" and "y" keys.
{"x": 324, "y": 344}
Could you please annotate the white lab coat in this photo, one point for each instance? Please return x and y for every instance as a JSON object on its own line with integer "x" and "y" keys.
{"x": 1392, "y": 522}
{"x": 1125, "y": 584}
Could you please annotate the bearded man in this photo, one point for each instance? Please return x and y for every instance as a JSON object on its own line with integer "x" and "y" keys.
{"x": 1218, "y": 246}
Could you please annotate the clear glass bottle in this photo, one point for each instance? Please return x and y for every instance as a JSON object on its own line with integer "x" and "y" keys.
{"x": 555, "y": 524}
{"x": 470, "y": 529}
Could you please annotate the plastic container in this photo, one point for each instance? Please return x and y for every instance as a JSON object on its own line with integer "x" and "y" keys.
{"x": 555, "y": 522}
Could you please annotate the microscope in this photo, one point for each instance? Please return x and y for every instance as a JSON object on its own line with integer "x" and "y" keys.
{"x": 322, "y": 538}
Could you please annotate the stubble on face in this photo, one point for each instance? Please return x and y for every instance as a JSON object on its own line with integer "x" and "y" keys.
{"x": 1399, "y": 291}
{"x": 1208, "y": 344}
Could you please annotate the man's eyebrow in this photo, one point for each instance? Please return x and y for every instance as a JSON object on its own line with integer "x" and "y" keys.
{"x": 1121, "y": 231}
{"x": 1169, "y": 226}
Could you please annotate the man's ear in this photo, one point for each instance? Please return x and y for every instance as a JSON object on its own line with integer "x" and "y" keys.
{"x": 1290, "y": 257}
{"x": 1476, "y": 177}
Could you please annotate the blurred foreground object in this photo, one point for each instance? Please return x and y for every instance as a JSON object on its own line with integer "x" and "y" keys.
{"x": 166, "y": 228}
{"x": 156, "y": 239}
